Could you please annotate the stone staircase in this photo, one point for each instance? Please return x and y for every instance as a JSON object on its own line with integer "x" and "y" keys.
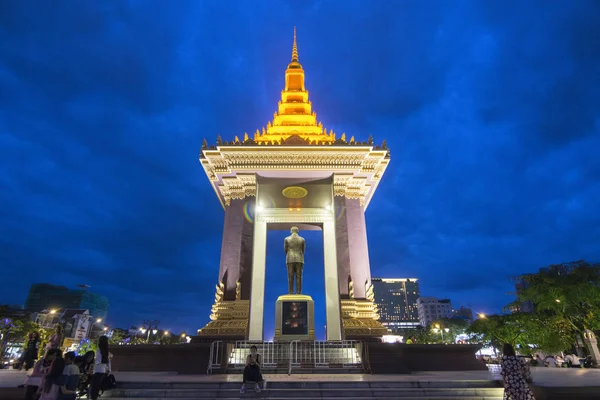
{"x": 467, "y": 390}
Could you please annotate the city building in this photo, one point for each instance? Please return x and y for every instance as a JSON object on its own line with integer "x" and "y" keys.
{"x": 46, "y": 297}
{"x": 463, "y": 313}
{"x": 431, "y": 309}
{"x": 77, "y": 324}
{"x": 396, "y": 300}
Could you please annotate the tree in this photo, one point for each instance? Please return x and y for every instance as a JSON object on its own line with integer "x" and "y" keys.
{"x": 15, "y": 326}
{"x": 422, "y": 335}
{"x": 525, "y": 331}
{"x": 454, "y": 326}
{"x": 118, "y": 336}
{"x": 566, "y": 294}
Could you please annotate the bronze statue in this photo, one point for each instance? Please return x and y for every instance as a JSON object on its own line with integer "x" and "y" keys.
{"x": 294, "y": 246}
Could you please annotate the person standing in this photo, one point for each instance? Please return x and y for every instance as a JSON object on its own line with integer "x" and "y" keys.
{"x": 32, "y": 349}
{"x": 516, "y": 375}
{"x": 101, "y": 367}
{"x": 56, "y": 339}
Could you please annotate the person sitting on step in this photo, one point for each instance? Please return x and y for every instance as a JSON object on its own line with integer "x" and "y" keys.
{"x": 252, "y": 371}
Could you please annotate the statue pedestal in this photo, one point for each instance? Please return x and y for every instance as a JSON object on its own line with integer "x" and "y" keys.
{"x": 294, "y": 317}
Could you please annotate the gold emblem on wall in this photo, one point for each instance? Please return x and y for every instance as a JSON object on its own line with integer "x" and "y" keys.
{"x": 294, "y": 192}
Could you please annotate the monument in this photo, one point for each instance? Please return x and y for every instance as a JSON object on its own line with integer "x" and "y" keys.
{"x": 294, "y": 173}
{"x": 294, "y": 312}
{"x": 294, "y": 247}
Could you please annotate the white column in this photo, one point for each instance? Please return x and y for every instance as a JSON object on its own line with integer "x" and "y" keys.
{"x": 332, "y": 295}
{"x": 257, "y": 294}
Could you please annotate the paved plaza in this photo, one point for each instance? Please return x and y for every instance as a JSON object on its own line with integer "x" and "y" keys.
{"x": 545, "y": 377}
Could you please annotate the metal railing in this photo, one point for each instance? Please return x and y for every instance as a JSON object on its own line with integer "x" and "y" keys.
{"x": 216, "y": 356}
{"x": 272, "y": 354}
{"x": 289, "y": 355}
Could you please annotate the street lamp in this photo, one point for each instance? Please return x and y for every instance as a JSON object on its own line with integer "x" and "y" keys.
{"x": 150, "y": 325}
{"x": 441, "y": 330}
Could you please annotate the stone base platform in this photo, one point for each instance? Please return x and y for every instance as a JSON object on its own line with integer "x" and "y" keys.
{"x": 384, "y": 358}
{"x": 549, "y": 384}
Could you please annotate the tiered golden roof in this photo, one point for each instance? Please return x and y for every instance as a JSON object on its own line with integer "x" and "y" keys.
{"x": 294, "y": 114}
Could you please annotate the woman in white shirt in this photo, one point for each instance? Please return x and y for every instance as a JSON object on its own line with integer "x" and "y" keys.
{"x": 101, "y": 367}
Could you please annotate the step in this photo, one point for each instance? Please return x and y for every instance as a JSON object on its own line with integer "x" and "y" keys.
{"x": 331, "y": 393}
{"x": 266, "y": 396}
{"x": 297, "y": 385}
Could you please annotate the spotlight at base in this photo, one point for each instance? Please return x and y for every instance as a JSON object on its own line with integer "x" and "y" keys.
{"x": 259, "y": 208}
{"x": 328, "y": 207}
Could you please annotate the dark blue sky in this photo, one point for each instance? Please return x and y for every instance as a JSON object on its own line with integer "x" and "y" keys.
{"x": 491, "y": 109}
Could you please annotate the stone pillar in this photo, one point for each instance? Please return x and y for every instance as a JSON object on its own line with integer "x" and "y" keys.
{"x": 352, "y": 247}
{"x": 592, "y": 345}
{"x": 332, "y": 295}
{"x": 341, "y": 246}
{"x": 236, "y": 252}
{"x": 257, "y": 296}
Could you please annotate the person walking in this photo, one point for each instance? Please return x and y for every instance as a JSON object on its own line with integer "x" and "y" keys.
{"x": 516, "y": 375}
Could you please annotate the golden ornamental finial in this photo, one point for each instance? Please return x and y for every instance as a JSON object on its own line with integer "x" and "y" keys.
{"x": 295, "y": 48}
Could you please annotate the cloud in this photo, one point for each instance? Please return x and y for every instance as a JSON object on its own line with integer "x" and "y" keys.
{"x": 490, "y": 111}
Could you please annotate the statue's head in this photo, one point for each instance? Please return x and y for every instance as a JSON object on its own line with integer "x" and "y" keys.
{"x": 294, "y": 229}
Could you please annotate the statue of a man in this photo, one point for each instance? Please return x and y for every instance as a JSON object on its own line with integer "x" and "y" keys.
{"x": 294, "y": 246}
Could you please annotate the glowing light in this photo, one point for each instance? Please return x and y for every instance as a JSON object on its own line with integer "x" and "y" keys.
{"x": 143, "y": 330}
{"x": 290, "y": 209}
{"x": 52, "y": 311}
{"x": 328, "y": 207}
{"x": 294, "y": 114}
{"x": 166, "y": 333}
{"x": 558, "y": 300}
{"x": 99, "y": 320}
{"x": 248, "y": 213}
{"x": 183, "y": 335}
{"x": 482, "y": 315}
{"x": 105, "y": 329}
{"x": 259, "y": 208}
{"x": 154, "y": 331}
{"x": 297, "y": 209}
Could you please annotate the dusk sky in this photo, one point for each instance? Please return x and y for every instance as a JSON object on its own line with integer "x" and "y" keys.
{"x": 491, "y": 110}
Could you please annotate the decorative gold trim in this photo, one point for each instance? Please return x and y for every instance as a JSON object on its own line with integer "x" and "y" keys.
{"x": 228, "y": 318}
{"x": 360, "y": 318}
{"x": 305, "y": 215}
{"x": 294, "y": 192}
{"x": 232, "y": 170}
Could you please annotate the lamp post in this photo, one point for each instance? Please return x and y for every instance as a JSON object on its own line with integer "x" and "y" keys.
{"x": 152, "y": 327}
{"x": 441, "y": 330}
{"x": 91, "y": 327}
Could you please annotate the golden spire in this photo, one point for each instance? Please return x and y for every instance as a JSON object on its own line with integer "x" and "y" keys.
{"x": 295, "y": 48}
{"x": 294, "y": 115}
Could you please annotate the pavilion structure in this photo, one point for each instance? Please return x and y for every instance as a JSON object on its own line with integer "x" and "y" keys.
{"x": 294, "y": 172}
